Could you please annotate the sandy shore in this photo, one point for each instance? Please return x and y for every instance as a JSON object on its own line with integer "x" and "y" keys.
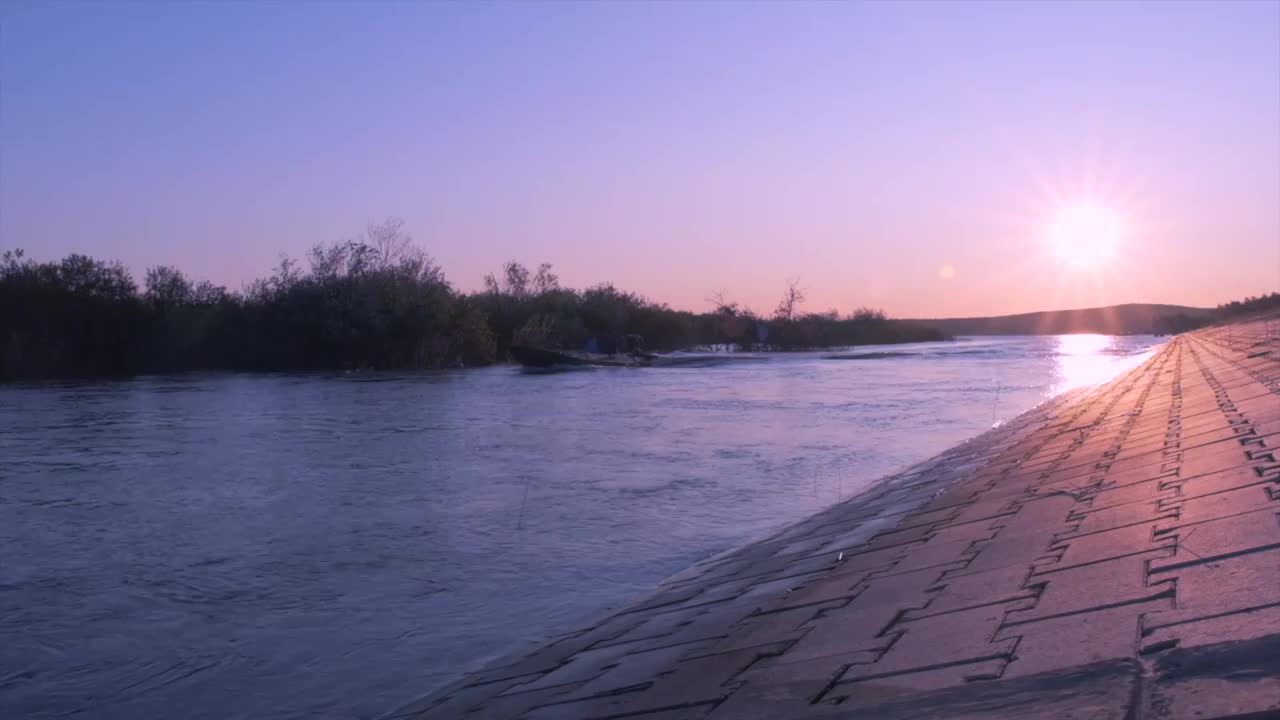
{"x": 1113, "y": 553}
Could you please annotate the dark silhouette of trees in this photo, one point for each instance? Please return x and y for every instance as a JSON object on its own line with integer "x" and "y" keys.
{"x": 1250, "y": 305}
{"x": 377, "y": 301}
{"x": 60, "y": 318}
{"x": 792, "y": 299}
{"x": 1226, "y": 312}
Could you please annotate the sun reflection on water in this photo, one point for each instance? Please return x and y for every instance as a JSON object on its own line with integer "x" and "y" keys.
{"x": 1084, "y": 360}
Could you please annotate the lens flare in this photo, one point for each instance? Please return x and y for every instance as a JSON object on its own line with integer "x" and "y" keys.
{"x": 1085, "y": 236}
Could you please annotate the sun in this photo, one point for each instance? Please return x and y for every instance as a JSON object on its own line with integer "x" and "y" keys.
{"x": 1086, "y": 235}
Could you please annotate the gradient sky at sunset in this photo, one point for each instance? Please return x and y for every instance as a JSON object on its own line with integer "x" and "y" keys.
{"x": 906, "y": 156}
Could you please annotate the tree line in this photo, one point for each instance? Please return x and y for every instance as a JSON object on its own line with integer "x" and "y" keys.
{"x": 1250, "y": 305}
{"x": 1235, "y": 310}
{"x": 374, "y": 302}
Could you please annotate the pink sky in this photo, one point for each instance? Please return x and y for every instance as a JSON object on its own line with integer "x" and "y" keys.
{"x": 672, "y": 149}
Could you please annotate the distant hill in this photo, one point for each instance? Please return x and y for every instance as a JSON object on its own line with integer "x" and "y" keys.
{"x": 1136, "y": 318}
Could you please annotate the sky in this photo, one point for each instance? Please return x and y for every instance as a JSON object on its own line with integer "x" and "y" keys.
{"x": 916, "y": 157}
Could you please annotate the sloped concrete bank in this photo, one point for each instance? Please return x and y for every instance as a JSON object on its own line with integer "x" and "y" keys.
{"x": 1113, "y": 553}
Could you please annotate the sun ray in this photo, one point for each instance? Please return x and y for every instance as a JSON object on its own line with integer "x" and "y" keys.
{"x": 1085, "y": 236}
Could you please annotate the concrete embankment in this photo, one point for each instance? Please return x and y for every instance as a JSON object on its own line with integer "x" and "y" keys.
{"x": 1113, "y": 553}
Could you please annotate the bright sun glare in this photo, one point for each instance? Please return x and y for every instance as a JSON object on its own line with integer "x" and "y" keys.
{"x": 1085, "y": 236}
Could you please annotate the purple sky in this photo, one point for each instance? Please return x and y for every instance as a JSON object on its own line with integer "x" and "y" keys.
{"x": 675, "y": 149}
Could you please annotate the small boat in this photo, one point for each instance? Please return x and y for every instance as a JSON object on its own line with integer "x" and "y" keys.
{"x": 535, "y": 357}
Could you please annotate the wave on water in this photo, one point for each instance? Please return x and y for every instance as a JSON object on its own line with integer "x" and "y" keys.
{"x": 867, "y": 356}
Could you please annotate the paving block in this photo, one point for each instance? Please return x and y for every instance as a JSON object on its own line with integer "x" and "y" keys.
{"x": 960, "y": 592}
{"x": 1230, "y": 478}
{"x": 941, "y": 646}
{"x": 1121, "y": 581}
{"x": 853, "y": 632}
{"x": 771, "y": 689}
{"x": 690, "y": 688}
{"x": 1103, "y": 691}
{"x": 935, "y": 554}
{"x": 1232, "y": 626}
{"x": 608, "y": 667}
{"x": 818, "y": 590}
{"x": 1214, "y": 539}
{"x": 1231, "y": 679}
{"x": 1024, "y": 536}
{"x": 1220, "y": 587}
{"x": 1065, "y": 642}
{"x": 1143, "y": 491}
{"x": 869, "y": 690}
{"x": 1101, "y": 546}
{"x": 1211, "y": 458}
{"x": 1200, "y": 509}
{"x": 784, "y": 626}
{"x": 1118, "y": 516}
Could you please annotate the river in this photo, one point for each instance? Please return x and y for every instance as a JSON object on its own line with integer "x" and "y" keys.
{"x": 331, "y": 546}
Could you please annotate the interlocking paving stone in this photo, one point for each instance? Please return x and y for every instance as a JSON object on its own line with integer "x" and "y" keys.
{"x": 817, "y": 591}
{"x": 1025, "y": 536}
{"x": 1142, "y": 491}
{"x": 691, "y": 689}
{"x": 937, "y": 642}
{"x": 785, "y": 626}
{"x": 856, "y": 561}
{"x": 1106, "y": 545}
{"x": 857, "y": 627}
{"x": 1230, "y": 679}
{"x": 958, "y": 592}
{"x": 1223, "y": 537}
{"x": 941, "y": 552}
{"x": 1219, "y": 587}
{"x": 870, "y": 687}
{"x": 1101, "y": 691}
{"x": 1233, "y": 477}
{"x": 1220, "y": 504}
{"x": 1234, "y": 625}
{"x": 1066, "y": 642}
{"x": 607, "y": 667}
{"x": 634, "y": 670}
{"x": 1112, "y": 517}
{"x": 770, "y": 690}
{"x": 1044, "y": 569}
{"x": 1081, "y": 589}
{"x": 1206, "y": 459}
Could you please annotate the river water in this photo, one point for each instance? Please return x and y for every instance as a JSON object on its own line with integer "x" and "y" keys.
{"x": 331, "y": 546}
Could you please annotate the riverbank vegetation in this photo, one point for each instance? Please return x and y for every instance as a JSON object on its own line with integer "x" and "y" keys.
{"x": 1250, "y": 306}
{"x": 374, "y": 302}
{"x": 1233, "y": 311}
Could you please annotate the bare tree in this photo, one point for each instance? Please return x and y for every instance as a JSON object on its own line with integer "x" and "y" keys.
{"x": 383, "y": 248}
{"x": 285, "y": 276}
{"x": 13, "y": 262}
{"x": 545, "y": 281}
{"x": 491, "y": 285}
{"x": 390, "y": 243}
{"x": 722, "y": 304}
{"x": 517, "y": 279}
{"x": 791, "y": 301}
